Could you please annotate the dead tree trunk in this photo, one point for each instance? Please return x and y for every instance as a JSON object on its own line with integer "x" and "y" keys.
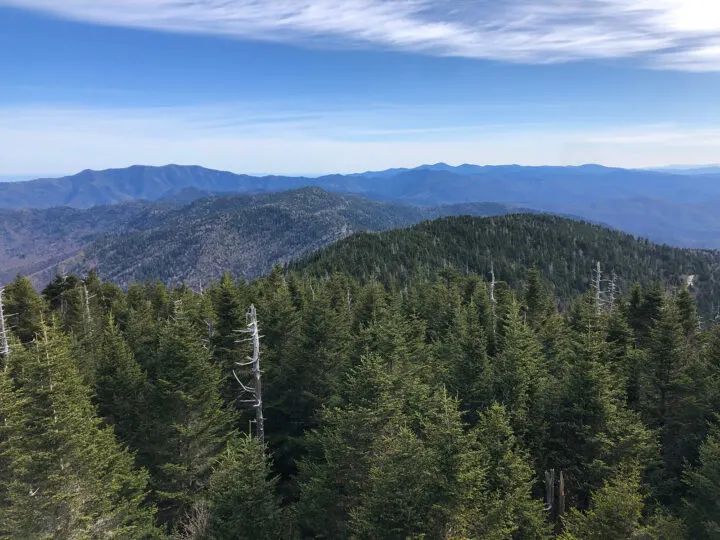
{"x": 555, "y": 494}
{"x": 493, "y": 302}
{"x": 4, "y": 347}
{"x": 597, "y": 285}
{"x": 253, "y": 362}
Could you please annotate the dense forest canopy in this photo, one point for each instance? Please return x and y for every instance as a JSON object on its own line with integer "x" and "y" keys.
{"x": 446, "y": 404}
{"x": 431, "y": 411}
{"x": 564, "y": 250}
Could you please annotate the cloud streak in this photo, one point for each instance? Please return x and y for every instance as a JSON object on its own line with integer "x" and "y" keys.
{"x": 668, "y": 34}
{"x": 264, "y": 139}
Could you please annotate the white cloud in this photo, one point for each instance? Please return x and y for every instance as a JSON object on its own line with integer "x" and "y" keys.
{"x": 674, "y": 34}
{"x": 253, "y": 139}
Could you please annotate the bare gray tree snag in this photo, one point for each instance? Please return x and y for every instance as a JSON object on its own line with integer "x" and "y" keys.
{"x": 549, "y": 490}
{"x": 86, "y": 296}
{"x": 493, "y": 302}
{"x": 613, "y": 290}
{"x": 597, "y": 285}
{"x": 253, "y": 362}
{"x": 554, "y": 494}
{"x": 4, "y": 347}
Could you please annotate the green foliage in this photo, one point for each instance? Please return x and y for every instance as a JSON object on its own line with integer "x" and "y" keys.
{"x": 67, "y": 475}
{"x": 616, "y": 511}
{"x": 121, "y": 387}
{"x": 408, "y": 406}
{"x": 23, "y": 308}
{"x": 186, "y": 424}
{"x": 703, "y": 503}
{"x": 562, "y": 250}
{"x": 242, "y": 499}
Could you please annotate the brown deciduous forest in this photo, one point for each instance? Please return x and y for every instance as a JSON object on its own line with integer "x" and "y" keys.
{"x": 448, "y": 407}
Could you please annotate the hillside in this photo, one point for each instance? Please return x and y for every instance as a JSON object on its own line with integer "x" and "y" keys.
{"x": 637, "y": 201}
{"x": 35, "y": 241}
{"x": 565, "y": 251}
{"x": 244, "y": 234}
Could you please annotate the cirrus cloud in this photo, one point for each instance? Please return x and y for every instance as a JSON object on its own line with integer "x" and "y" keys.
{"x": 668, "y": 34}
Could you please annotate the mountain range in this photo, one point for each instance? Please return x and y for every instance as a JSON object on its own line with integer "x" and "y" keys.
{"x": 669, "y": 206}
{"x": 181, "y": 242}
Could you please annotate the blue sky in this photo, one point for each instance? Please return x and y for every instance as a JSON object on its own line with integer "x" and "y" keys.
{"x": 315, "y": 86}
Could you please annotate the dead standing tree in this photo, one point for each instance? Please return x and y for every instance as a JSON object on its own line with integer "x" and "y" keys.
{"x": 253, "y": 389}
{"x": 4, "y": 347}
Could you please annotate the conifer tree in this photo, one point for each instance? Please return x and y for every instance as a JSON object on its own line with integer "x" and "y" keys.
{"x": 687, "y": 312}
{"x": 643, "y": 309}
{"x": 230, "y": 315}
{"x": 470, "y": 374}
{"x": 120, "y": 387}
{"x": 703, "y": 480}
{"x": 68, "y": 477}
{"x": 591, "y": 430}
{"x": 521, "y": 377}
{"x": 241, "y": 499}
{"x": 187, "y": 424}
{"x": 495, "y": 485}
{"x": 537, "y": 303}
{"x": 666, "y": 398}
{"x": 24, "y": 309}
{"x": 335, "y": 473}
{"x": 615, "y": 510}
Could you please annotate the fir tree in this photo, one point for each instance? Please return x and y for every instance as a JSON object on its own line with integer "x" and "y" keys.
{"x": 242, "y": 499}
{"x": 121, "y": 387}
{"x": 187, "y": 424}
{"x": 703, "y": 502}
{"x": 23, "y": 308}
{"x": 495, "y": 485}
{"x": 69, "y": 478}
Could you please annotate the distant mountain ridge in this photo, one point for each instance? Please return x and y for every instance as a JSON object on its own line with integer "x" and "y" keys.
{"x": 664, "y": 206}
{"x": 180, "y": 242}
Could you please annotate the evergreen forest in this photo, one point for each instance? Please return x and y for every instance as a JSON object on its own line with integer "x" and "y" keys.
{"x": 441, "y": 402}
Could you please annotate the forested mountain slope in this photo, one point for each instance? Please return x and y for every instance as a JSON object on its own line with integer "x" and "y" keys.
{"x": 565, "y": 251}
{"x": 246, "y": 235}
{"x": 36, "y": 241}
{"x": 441, "y": 410}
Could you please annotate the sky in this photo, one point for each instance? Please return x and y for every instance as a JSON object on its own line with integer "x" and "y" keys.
{"x": 321, "y": 86}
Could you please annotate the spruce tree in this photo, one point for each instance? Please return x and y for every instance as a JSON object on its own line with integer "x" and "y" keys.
{"x": 68, "y": 476}
{"x": 494, "y": 485}
{"x": 591, "y": 429}
{"x": 703, "y": 480}
{"x": 537, "y": 303}
{"x": 470, "y": 374}
{"x": 241, "y": 500}
{"x": 187, "y": 424}
{"x": 521, "y": 377}
{"x": 230, "y": 317}
{"x": 334, "y": 475}
{"x": 666, "y": 397}
{"x": 617, "y": 511}
{"x": 24, "y": 309}
{"x": 687, "y": 312}
{"x": 120, "y": 387}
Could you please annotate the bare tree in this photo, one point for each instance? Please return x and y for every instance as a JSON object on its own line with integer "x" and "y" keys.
{"x": 493, "y": 302}
{"x": 597, "y": 285}
{"x": 255, "y": 392}
{"x": 4, "y": 347}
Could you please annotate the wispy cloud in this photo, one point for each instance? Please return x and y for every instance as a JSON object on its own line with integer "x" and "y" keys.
{"x": 269, "y": 138}
{"x": 672, "y": 34}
